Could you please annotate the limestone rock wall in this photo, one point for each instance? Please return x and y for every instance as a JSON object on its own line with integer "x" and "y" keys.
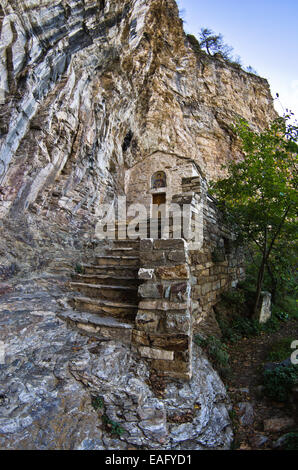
{"x": 89, "y": 88}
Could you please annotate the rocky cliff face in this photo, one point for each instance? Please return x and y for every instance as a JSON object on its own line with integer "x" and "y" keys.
{"x": 87, "y": 89}
{"x": 91, "y": 87}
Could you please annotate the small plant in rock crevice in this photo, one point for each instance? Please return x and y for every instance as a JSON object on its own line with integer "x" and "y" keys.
{"x": 79, "y": 269}
{"x": 97, "y": 403}
{"x": 112, "y": 427}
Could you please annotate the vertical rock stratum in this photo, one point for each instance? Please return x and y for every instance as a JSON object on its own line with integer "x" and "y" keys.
{"x": 89, "y": 88}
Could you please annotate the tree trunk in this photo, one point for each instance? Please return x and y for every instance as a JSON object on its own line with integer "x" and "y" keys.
{"x": 259, "y": 288}
{"x": 273, "y": 283}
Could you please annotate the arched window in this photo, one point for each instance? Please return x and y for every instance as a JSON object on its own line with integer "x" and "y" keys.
{"x": 159, "y": 180}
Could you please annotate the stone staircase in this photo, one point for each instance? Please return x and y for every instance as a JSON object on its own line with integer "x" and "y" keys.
{"x": 105, "y": 300}
{"x": 138, "y": 293}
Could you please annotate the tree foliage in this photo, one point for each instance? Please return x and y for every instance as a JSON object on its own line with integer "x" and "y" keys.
{"x": 259, "y": 196}
{"x": 214, "y": 44}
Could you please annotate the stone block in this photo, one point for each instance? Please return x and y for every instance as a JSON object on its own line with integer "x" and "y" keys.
{"x": 216, "y": 285}
{"x": 180, "y": 292}
{"x": 146, "y": 274}
{"x": 147, "y": 320}
{"x": 146, "y": 244}
{"x": 180, "y": 271}
{"x": 180, "y": 368}
{"x": 196, "y": 292}
{"x": 177, "y": 256}
{"x": 206, "y": 288}
{"x": 151, "y": 290}
{"x": 161, "y": 305}
{"x": 177, "y": 342}
{"x": 156, "y": 354}
{"x": 140, "y": 338}
{"x": 170, "y": 244}
{"x": 176, "y": 322}
{"x": 182, "y": 356}
{"x": 153, "y": 258}
{"x": 278, "y": 424}
{"x": 204, "y": 273}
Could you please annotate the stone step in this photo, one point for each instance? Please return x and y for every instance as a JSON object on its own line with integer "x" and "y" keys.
{"x": 109, "y": 280}
{"x": 123, "y": 310}
{"x": 122, "y": 271}
{"x": 118, "y": 261}
{"x": 127, "y": 244}
{"x": 107, "y": 292}
{"x": 102, "y": 327}
{"x": 130, "y": 281}
{"x": 122, "y": 251}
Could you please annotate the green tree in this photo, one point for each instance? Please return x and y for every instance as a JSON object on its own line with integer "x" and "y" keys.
{"x": 250, "y": 69}
{"x": 214, "y": 44}
{"x": 259, "y": 195}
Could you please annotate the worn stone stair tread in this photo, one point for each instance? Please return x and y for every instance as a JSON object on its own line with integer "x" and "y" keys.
{"x": 106, "y": 276}
{"x": 102, "y": 286}
{"x": 105, "y": 266}
{"x": 116, "y": 257}
{"x": 127, "y": 241}
{"x": 107, "y": 303}
{"x": 124, "y": 248}
{"x": 85, "y": 317}
{"x": 121, "y": 252}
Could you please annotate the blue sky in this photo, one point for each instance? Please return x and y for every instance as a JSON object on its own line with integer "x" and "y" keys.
{"x": 264, "y": 33}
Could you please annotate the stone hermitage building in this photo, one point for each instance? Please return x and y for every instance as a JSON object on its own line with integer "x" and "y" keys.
{"x": 179, "y": 281}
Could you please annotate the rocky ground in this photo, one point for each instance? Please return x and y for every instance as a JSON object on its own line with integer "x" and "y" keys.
{"x": 259, "y": 422}
{"x": 62, "y": 390}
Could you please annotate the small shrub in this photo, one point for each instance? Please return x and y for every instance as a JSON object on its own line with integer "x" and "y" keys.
{"x": 282, "y": 316}
{"x": 194, "y": 43}
{"x": 279, "y": 382}
{"x": 280, "y": 350}
{"x": 79, "y": 269}
{"x": 112, "y": 426}
{"x": 288, "y": 305}
{"x": 215, "y": 349}
{"x": 246, "y": 327}
{"x": 227, "y": 331}
{"x": 291, "y": 441}
{"x": 272, "y": 325}
{"x": 233, "y": 297}
{"x": 233, "y": 417}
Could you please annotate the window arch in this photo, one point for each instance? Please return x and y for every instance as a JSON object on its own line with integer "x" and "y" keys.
{"x": 159, "y": 180}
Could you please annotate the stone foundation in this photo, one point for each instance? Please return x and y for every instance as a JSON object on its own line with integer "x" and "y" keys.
{"x": 163, "y": 331}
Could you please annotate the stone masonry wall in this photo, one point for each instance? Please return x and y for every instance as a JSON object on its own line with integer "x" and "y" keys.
{"x": 163, "y": 331}
{"x": 218, "y": 266}
{"x": 181, "y": 285}
{"x": 138, "y": 178}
